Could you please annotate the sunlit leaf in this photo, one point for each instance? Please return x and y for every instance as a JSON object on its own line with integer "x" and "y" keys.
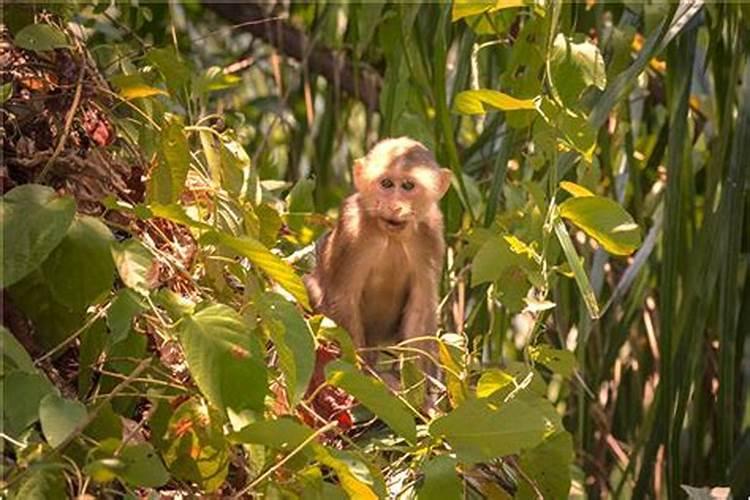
{"x": 576, "y": 190}
{"x": 480, "y": 430}
{"x": 353, "y": 485}
{"x": 33, "y": 221}
{"x": 576, "y": 64}
{"x": 135, "y": 264}
{"x": 492, "y": 381}
{"x": 176, "y": 73}
{"x": 293, "y": 340}
{"x": 466, "y": 8}
{"x": 197, "y": 450}
{"x": 272, "y": 265}
{"x": 169, "y": 175}
{"x": 375, "y": 396}
{"x": 473, "y": 102}
{"x": 224, "y": 358}
{"x": 604, "y": 220}
{"x": 134, "y": 87}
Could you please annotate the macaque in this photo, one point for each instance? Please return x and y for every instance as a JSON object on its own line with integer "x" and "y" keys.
{"x": 378, "y": 270}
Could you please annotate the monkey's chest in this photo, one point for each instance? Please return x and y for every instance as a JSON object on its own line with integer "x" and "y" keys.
{"x": 384, "y": 297}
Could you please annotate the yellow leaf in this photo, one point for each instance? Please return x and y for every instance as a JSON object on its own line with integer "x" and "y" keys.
{"x": 474, "y": 102}
{"x": 575, "y": 189}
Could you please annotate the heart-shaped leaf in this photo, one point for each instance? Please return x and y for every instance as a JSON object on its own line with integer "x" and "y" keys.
{"x": 80, "y": 269}
{"x": 60, "y": 417}
{"x": 33, "y": 221}
{"x": 224, "y": 358}
{"x": 604, "y": 220}
{"x": 40, "y": 38}
{"x": 375, "y": 396}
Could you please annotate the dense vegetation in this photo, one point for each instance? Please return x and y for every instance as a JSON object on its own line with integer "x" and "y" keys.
{"x": 167, "y": 167}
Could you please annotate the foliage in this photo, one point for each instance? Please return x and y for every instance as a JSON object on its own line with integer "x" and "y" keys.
{"x": 160, "y": 207}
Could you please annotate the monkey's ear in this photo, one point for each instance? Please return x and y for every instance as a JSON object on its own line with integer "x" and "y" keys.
{"x": 444, "y": 181}
{"x": 358, "y": 172}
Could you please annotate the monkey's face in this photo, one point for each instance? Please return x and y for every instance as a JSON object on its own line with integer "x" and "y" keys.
{"x": 396, "y": 201}
{"x": 399, "y": 182}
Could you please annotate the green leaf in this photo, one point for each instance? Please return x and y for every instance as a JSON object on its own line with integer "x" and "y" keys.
{"x": 60, "y": 417}
{"x": 283, "y": 434}
{"x": 495, "y": 257}
{"x": 53, "y": 321}
{"x": 25, "y": 390}
{"x": 124, "y": 307}
{"x": 293, "y": 340}
{"x": 43, "y": 482}
{"x": 300, "y": 202}
{"x": 557, "y": 360}
{"x": 440, "y": 479}
{"x": 300, "y": 197}
{"x": 168, "y": 178}
{"x": 176, "y": 73}
{"x": 576, "y": 65}
{"x": 197, "y": 449}
{"x": 93, "y": 342}
{"x": 354, "y": 485}
{"x": 14, "y": 355}
{"x": 259, "y": 255}
{"x": 143, "y": 467}
{"x": 480, "y": 429}
{"x": 175, "y": 213}
{"x": 80, "y": 269}
{"x": 228, "y": 163}
{"x": 582, "y": 280}
{"x": 548, "y": 465}
{"x": 604, "y": 220}
{"x": 6, "y": 90}
{"x": 33, "y": 221}
{"x": 135, "y": 264}
{"x": 466, "y": 8}
{"x": 224, "y": 358}
{"x": 476, "y": 102}
{"x": 134, "y": 87}
{"x": 493, "y": 380}
{"x": 375, "y": 396}
{"x": 40, "y": 38}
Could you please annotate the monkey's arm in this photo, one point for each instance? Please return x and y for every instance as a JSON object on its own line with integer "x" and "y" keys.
{"x": 338, "y": 280}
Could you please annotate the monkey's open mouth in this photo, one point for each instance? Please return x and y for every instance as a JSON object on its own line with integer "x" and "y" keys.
{"x": 394, "y": 224}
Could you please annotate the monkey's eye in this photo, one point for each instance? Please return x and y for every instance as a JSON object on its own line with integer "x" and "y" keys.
{"x": 386, "y": 183}
{"x": 407, "y": 185}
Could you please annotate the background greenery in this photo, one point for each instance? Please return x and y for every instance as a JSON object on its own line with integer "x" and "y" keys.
{"x": 166, "y": 167}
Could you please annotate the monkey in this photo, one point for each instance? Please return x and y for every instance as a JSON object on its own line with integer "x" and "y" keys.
{"x": 378, "y": 270}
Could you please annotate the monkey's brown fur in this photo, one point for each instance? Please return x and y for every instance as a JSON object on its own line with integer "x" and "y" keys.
{"x": 377, "y": 271}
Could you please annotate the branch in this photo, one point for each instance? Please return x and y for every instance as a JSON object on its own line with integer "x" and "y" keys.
{"x": 362, "y": 84}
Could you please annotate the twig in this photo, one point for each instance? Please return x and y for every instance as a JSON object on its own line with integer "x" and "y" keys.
{"x": 68, "y": 123}
{"x": 71, "y": 338}
{"x": 90, "y": 417}
{"x": 280, "y": 463}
